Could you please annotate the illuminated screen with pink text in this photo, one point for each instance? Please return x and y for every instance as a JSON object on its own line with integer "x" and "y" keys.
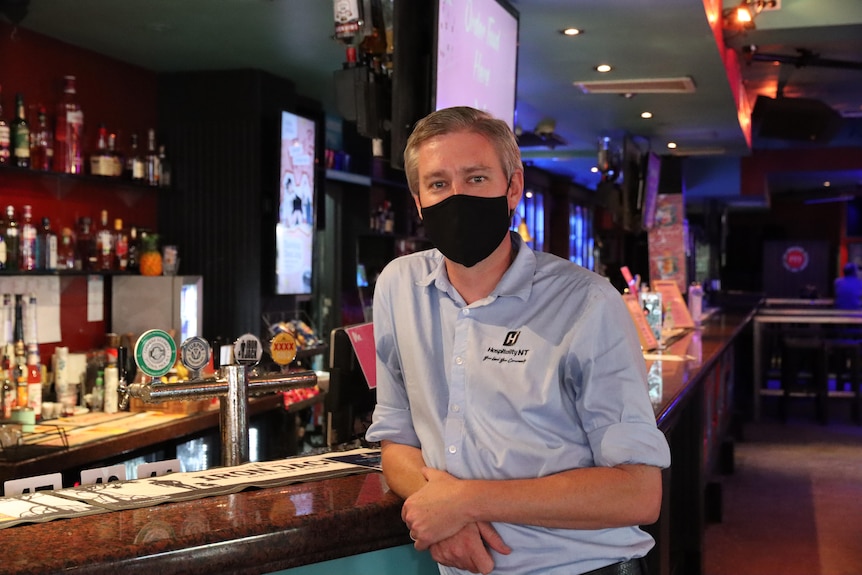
{"x": 477, "y": 57}
{"x": 295, "y": 227}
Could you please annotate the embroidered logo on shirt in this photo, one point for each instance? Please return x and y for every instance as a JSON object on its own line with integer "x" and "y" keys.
{"x": 507, "y": 354}
{"x": 512, "y": 338}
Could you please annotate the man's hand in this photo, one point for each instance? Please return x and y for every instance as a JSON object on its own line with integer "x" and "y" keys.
{"x": 435, "y": 512}
{"x": 467, "y": 548}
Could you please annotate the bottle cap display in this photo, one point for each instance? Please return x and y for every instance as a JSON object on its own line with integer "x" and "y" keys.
{"x": 155, "y": 352}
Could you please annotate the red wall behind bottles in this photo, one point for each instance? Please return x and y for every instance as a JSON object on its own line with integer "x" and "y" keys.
{"x": 120, "y": 95}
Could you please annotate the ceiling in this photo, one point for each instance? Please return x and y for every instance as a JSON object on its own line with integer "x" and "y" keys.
{"x": 641, "y": 39}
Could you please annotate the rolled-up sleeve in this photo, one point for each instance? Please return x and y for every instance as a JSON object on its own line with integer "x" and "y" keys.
{"x": 392, "y": 419}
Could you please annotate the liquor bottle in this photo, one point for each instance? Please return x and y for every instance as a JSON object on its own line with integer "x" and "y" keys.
{"x": 3, "y": 257}
{"x": 69, "y": 132}
{"x": 42, "y": 144}
{"x": 20, "y": 363}
{"x": 34, "y": 362}
{"x": 27, "y": 241}
{"x": 5, "y": 135}
{"x": 12, "y": 237}
{"x": 134, "y": 250}
{"x": 66, "y": 256}
{"x": 115, "y": 160}
{"x": 135, "y": 169}
{"x": 164, "y": 169}
{"x": 47, "y": 247}
{"x": 111, "y": 381}
{"x": 34, "y": 379}
{"x": 104, "y": 237}
{"x": 121, "y": 246}
{"x": 20, "y": 135}
{"x": 85, "y": 256}
{"x": 152, "y": 160}
{"x": 99, "y": 161}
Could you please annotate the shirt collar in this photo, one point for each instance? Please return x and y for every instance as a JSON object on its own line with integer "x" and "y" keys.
{"x": 516, "y": 282}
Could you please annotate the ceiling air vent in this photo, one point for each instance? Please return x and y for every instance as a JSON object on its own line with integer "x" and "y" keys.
{"x": 683, "y": 85}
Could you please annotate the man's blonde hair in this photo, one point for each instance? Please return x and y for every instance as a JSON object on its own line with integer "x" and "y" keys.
{"x": 461, "y": 119}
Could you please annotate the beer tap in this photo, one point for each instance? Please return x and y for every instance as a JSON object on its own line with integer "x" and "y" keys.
{"x": 155, "y": 353}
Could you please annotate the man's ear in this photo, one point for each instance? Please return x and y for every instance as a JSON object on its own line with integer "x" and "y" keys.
{"x": 516, "y": 189}
{"x": 418, "y": 205}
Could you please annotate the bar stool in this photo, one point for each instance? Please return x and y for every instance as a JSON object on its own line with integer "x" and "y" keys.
{"x": 50, "y": 481}
{"x": 844, "y": 359}
{"x": 103, "y": 474}
{"x": 158, "y": 468}
{"x": 803, "y": 372}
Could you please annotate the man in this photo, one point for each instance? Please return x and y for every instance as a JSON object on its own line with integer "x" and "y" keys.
{"x": 848, "y": 289}
{"x": 512, "y": 410}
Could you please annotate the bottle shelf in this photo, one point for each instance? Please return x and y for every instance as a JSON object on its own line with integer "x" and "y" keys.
{"x": 62, "y": 178}
{"x": 6, "y": 273}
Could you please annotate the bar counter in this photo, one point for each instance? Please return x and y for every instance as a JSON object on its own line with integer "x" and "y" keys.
{"x": 115, "y": 445}
{"x": 272, "y": 529}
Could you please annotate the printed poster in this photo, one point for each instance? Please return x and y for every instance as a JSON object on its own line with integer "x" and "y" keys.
{"x": 667, "y": 240}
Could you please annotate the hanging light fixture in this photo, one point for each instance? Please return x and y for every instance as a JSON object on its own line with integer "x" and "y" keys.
{"x": 742, "y": 17}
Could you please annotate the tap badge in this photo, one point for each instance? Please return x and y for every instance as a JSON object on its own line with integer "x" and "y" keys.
{"x": 195, "y": 353}
{"x": 282, "y": 348}
{"x": 155, "y": 352}
{"x": 247, "y": 350}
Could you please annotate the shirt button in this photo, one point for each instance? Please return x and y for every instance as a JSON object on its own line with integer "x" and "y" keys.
{"x": 453, "y": 449}
{"x": 459, "y": 360}
{"x": 465, "y": 312}
{"x": 456, "y": 408}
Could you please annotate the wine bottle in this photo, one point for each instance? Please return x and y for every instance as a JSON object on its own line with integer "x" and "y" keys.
{"x": 42, "y": 143}
{"x": 105, "y": 253}
{"x": 5, "y": 135}
{"x": 12, "y": 238}
{"x": 85, "y": 254}
{"x": 27, "y": 241}
{"x": 69, "y": 132}
{"x": 67, "y": 258}
{"x": 20, "y": 135}
{"x": 135, "y": 169}
{"x": 121, "y": 246}
{"x": 152, "y": 159}
{"x": 46, "y": 247}
{"x": 99, "y": 160}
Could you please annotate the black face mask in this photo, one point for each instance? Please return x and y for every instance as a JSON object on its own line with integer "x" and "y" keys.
{"x": 467, "y": 229}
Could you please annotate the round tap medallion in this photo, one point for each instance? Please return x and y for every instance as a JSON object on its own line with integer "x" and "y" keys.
{"x": 247, "y": 350}
{"x": 282, "y": 348}
{"x": 155, "y": 352}
{"x": 195, "y": 353}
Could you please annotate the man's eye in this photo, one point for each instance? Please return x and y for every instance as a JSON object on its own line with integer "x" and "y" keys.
{"x": 478, "y": 179}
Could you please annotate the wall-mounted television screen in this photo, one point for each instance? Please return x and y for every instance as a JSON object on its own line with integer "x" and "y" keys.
{"x": 451, "y": 53}
{"x": 476, "y": 62}
{"x": 294, "y": 229}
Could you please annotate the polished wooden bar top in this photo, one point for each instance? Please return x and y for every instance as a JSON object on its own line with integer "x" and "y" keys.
{"x": 265, "y": 530}
{"x": 254, "y": 531}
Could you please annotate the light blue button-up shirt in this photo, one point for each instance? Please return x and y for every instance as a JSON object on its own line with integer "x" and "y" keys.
{"x": 543, "y": 375}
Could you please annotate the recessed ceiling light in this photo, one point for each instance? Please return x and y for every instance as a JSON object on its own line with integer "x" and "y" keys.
{"x": 646, "y": 115}
{"x": 671, "y": 145}
{"x": 603, "y": 68}
{"x": 571, "y": 31}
